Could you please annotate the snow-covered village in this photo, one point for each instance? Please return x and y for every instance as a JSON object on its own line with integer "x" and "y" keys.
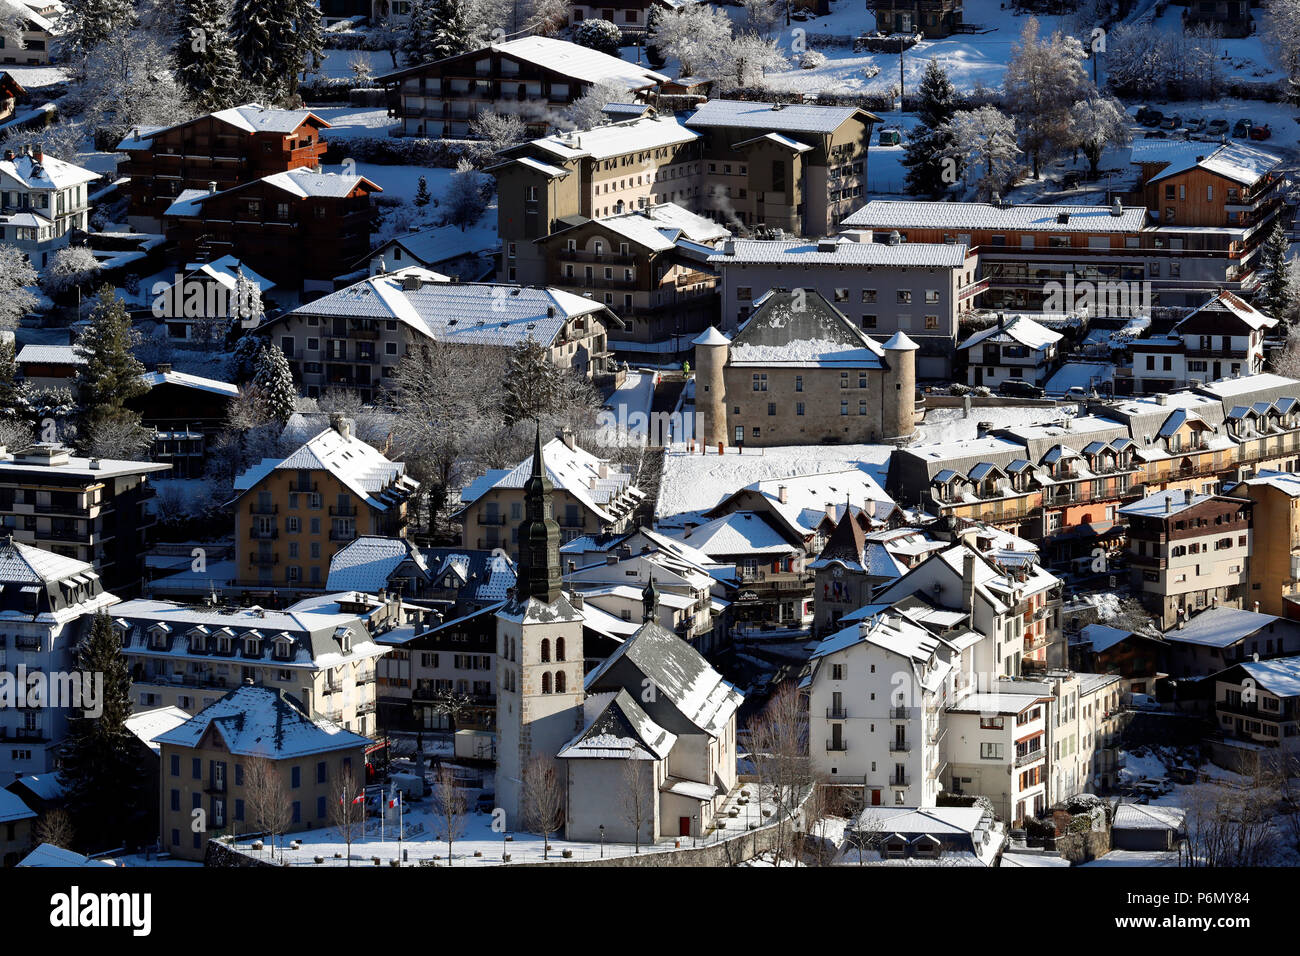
{"x": 650, "y": 434}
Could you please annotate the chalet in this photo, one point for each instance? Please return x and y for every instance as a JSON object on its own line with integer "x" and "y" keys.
{"x": 1259, "y": 701}
{"x": 39, "y": 31}
{"x": 1221, "y": 636}
{"x": 43, "y": 200}
{"x": 11, "y": 93}
{"x": 630, "y": 16}
{"x": 1018, "y": 350}
{"x": 357, "y": 335}
{"x": 186, "y": 412}
{"x": 1136, "y": 658}
{"x": 1224, "y": 338}
{"x": 50, "y": 366}
{"x": 269, "y": 221}
{"x": 532, "y": 76}
{"x": 932, "y": 19}
{"x": 227, "y": 148}
{"x": 203, "y": 299}
{"x": 469, "y": 255}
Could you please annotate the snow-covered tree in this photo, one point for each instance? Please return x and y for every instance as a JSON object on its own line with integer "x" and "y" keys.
{"x": 243, "y": 358}
{"x": 454, "y": 30}
{"x": 111, "y": 374}
{"x": 588, "y": 110}
{"x": 275, "y": 40}
{"x": 463, "y": 203}
{"x": 762, "y": 16}
{"x": 546, "y": 17}
{"x": 1280, "y": 31}
{"x": 17, "y": 277}
{"x": 273, "y": 382}
{"x": 417, "y": 40}
{"x": 1278, "y": 297}
{"x": 85, "y": 24}
{"x": 246, "y": 307}
{"x": 693, "y": 35}
{"x": 422, "y": 195}
{"x": 532, "y": 383}
{"x": 71, "y": 266}
{"x": 363, "y": 75}
{"x": 498, "y": 131}
{"x": 931, "y": 168}
{"x": 1044, "y": 79}
{"x": 1137, "y": 60}
{"x": 132, "y": 83}
{"x": 1096, "y": 123}
{"x": 984, "y": 139}
{"x": 598, "y": 35}
{"x": 388, "y": 34}
{"x": 13, "y": 27}
{"x": 205, "y": 57}
{"x": 744, "y": 60}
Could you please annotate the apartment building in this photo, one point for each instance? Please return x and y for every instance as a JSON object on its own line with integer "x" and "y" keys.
{"x": 216, "y": 151}
{"x": 268, "y": 222}
{"x": 1219, "y": 636}
{"x": 1274, "y": 568}
{"x": 1001, "y": 729}
{"x": 1224, "y": 338}
{"x": 919, "y": 289}
{"x": 47, "y": 602}
{"x": 90, "y": 509}
{"x": 534, "y": 77}
{"x": 18, "y": 822}
{"x": 651, "y": 267}
{"x": 322, "y": 650}
{"x": 1084, "y": 726}
{"x": 215, "y": 762}
{"x": 454, "y": 663}
{"x": 794, "y": 167}
{"x": 1259, "y": 702}
{"x": 1015, "y": 350}
{"x": 42, "y": 201}
{"x": 355, "y": 337}
{"x": 1189, "y": 551}
{"x": 293, "y": 514}
{"x": 882, "y": 686}
{"x": 591, "y": 497}
{"x": 801, "y": 372}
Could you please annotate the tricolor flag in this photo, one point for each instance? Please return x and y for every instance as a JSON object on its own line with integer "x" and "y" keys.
{"x": 395, "y": 800}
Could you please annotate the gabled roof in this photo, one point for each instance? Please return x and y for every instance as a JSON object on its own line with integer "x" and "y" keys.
{"x": 737, "y": 533}
{"x": 259, "y": 722}
{"x": 841, "y": 252}
{"x": 1280, "y": 677}
{"x": 49, "y": 173}
{"x": 379, "y": 482}
{"x": 50, "y": 355}
{"x": 619, "y": 730}
{"x": 1219, "y": 627}
{"x": 1220, "y": 313}
{"x": 366, "y": 563}
{"x": 185, "y": 380}
{"x": 801, "y": 328}
{"x": 301, "y": 183}
{"x": 249, "y": 118}
{"x": 49, "y": 855}
{"x": 606, "y": 141}
{"x": 807, "y": 497}
{"x": 1235, "y": 161}
{"x": 23, "y": 564}
{"x": 1021, "y": 329}
{"x": 679, "y": 674}
{"x": 558, "y": 56}
{"x": 12, "y": 808}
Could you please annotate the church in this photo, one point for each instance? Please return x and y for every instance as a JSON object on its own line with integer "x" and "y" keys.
{"x": 645, "y": 745}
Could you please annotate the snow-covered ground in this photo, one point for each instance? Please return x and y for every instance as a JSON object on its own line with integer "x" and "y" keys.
{"x": 422, "y": 839}
{"x": 351, "y": 121}
{"x": 694, "y": 483}
{"x": 629, "y": 406}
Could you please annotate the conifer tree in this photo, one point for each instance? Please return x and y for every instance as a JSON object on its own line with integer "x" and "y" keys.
{"x": 422, "y": 196}
{"x": 417, "y": 42}
{"x": 1278, "y": 297}
{"x": 85, "y": 24}
{"x": 99, "y": 759}
{"x": 274, "y": 383}
{"x": 274, "y": 41}
{"x": 454, "y": 31}
{"x": 205, "y": 54}
{"x": 532, "y": 383}
{"x": 932, "y": 139}
{"x": 111, "y": 375}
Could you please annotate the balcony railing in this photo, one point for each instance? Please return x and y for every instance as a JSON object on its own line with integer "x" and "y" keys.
{"x": 263, "y": 534}
{"x": 899, "y": 746}
{"x": 900, "y": 780}
{"x": 1030, "y": 756}
{"x": 343, "y": 511}
{"x": 24, "y": 642}
{"x": 836, "y": 713}
{"x": 263, "y": 560}
{"x": 898, "y": 713}
{"x": 837, "y": 746}
{"x": 342, "y": 534}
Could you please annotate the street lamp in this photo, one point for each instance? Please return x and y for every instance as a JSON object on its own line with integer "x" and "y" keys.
{"x": 602, "y": 841}
{"x": 695, "y": 829}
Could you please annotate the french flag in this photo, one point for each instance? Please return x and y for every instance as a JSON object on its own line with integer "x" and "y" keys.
{"x": 395, "y": 801}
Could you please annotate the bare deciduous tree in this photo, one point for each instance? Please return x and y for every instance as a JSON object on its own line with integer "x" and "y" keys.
{"x": 543, "y": 799}
{"x": 780, "y": 733}
{"x": 347, "y": 810}
{"x": 267, "y": 799}
{"x": 449, "y": 807}
{"x": 636, "y": 799}
{"x": 55, "y": 828}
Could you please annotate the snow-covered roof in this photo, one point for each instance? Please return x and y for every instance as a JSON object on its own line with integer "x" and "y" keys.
{"x": 226, "y": 271}
{"x": 249, "y": 118}
{"x": 575, "y": 470}
{"x": 1225, "y": 302}
{"x": 49, "y": 855}
{"x": 1137, "y": 816}
{"x": 738, "y": 533}
{"x": 380, "y": 483}
{"x": 711, "y": 336}
{"x": 618, "y": 728}
{"x": 1161, "y": 503}
{"x": 780, "y": 140}
{"x": 366, "y": 563}
{"x": 1102, "y": 637}
{"x": 802, "y": 329}
{"x": 46, "y": 786}
{"x": 579, "y": 62}
{"x": 996, "y": 703}
{"x": 23, "y": 564}
{"x": 439, "y": 244}
{"x": 1021, "y": 329}
{"x": 1284, "y": 481}
{"x": 613, "y": 139}
{"x": 50, "y": 355}
{"x": 807, "y": 497}
{"x": 170, "y": 377}
{"x": 12, "y": 808}
{"x": 888, "y": 631}
{"x": 148, "y": 725}
{"x": 781, "y": 118}
{"x": 1280, "y": 677}
{"x": 839, "y": 252}
{"x": 1219, "y": 627}
{"x": 305, "y": 183}
{"x": 1236, "y": 161}
{"x": 659, "y": 227}
{"x": 257, "y": 721}
{"x": 918, "y": 214}
{"x": 49, "y": 173}
{"x": 465, "y": 313}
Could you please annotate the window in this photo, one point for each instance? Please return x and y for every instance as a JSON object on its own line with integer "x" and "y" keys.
{"x": 868, "y": 295}
{"x": 904, "y": 296}
{"x": 295, "y": 777}
{"x": 990, "y": 751}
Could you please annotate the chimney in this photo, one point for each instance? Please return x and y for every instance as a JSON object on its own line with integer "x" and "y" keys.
{"x": 968, "y": 581}
{"x": 982, "y": 429}
{"x": 729, "y": 247}
{"x": 94, "y": 464}
{"x": 1181, "y": 614}
{"x": 135, "y": 132}
{"x": 164, "y": 367}
{"x": 38, "y": 153}
{"x": 1162, "y": 398}
{"x": 603, "y": 470}
{"x": 1187, "y": 496}
{"x": 341, "y": 424}
{"x": 783, "y": 494}
{"x": 566, "y": 435}
{"x": 1169, "y": 503}
{"x": 1256, "y": 607}
{"x": 1117, "y": 208}
{"x": 1062, "y": 218}
{"x": 212, "y": 187}
{"x": 9, "y": 155}
{"x": 613, "y": 558}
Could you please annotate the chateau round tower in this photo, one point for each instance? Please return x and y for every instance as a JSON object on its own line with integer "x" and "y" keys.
{"x": 711, "y": 349}
{"x": 898, "y": 416}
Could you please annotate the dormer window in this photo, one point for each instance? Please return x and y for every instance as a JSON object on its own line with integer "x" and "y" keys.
{"x": 223, "y": 644}
{"x": 158, "y": 637}
{"x": 198, "y": 643}
{"x": 283, "y": 649}
{"x": 252, "y": 647}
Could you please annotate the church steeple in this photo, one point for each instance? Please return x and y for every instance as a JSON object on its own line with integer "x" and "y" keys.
{"x": 538, "y": 571}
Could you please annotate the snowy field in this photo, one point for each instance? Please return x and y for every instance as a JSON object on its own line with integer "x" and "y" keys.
{"x": 694, "y": 483}
{"x": 480, "y": 844}
{"x": 349, "y": 121}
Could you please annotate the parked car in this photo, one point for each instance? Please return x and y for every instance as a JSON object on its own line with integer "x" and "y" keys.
{"x": 1242, "y": 129}
{"x": 485, "y": 803}
{"x": 1260, "y": 132}
{"x": 1172, "y": 122}
{"x": 1196, "y": 125}
{"x": 1015, "y": 388}
{"x": 1155, "y": 134}
{"x": 890, "y": 137}
{"x": 1218, "y": 127}
{"x": 1150, "y": 117}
